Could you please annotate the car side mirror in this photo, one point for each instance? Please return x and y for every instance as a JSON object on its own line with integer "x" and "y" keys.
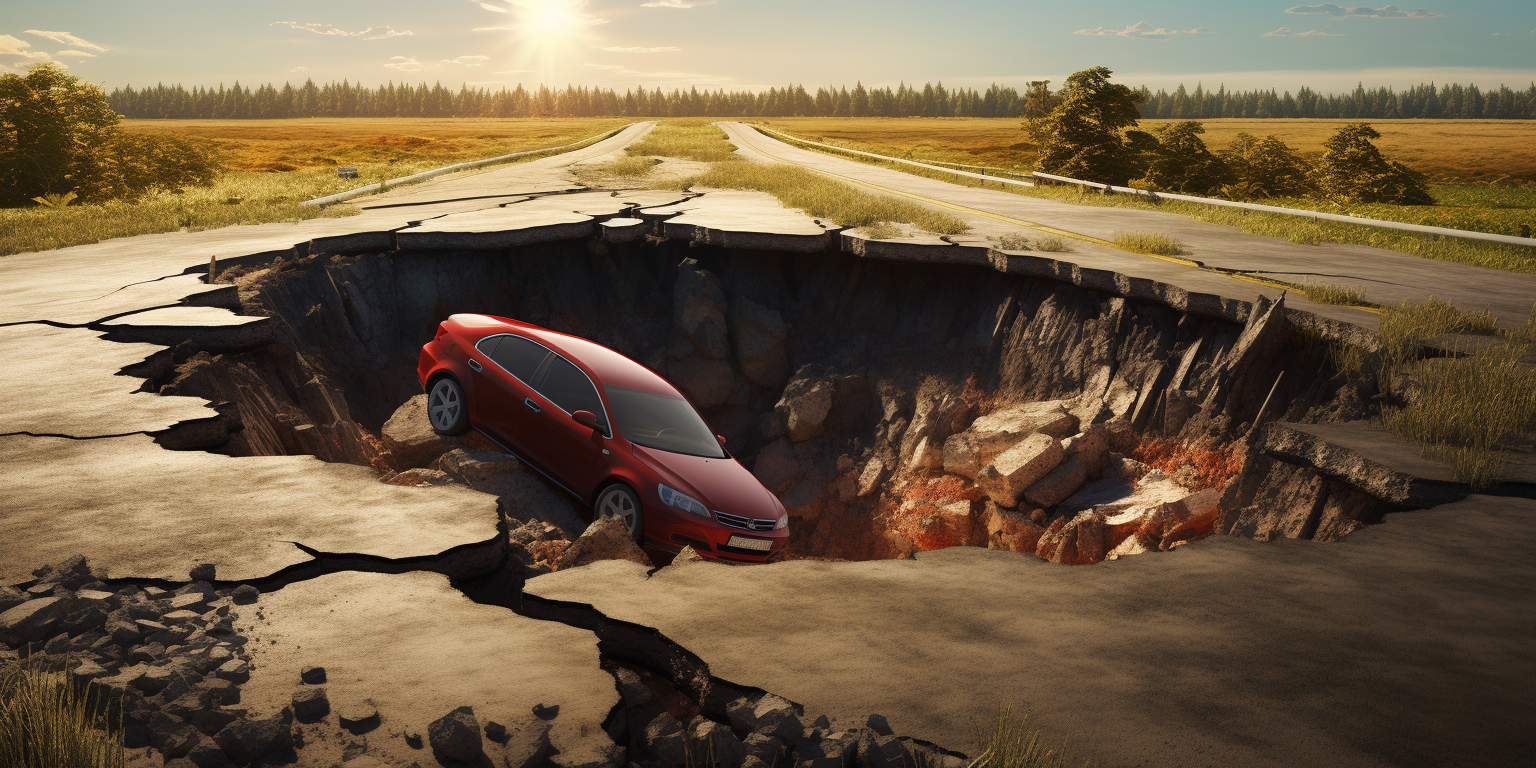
{"x": 721, "y": 438}
{"x": 587, "y": 419}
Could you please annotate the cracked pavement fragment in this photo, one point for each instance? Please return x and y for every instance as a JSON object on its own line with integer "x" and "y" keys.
{"x": 416, "y": 649}
{"x": 63, "y": 381}
{"x": 139, "y": 510}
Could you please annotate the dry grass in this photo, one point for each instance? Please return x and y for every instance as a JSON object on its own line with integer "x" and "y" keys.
{"x": 1009, "y": 742}
{"x": 1459, "y": 409}
{"x": 1149, "y": 242}
{"x": 278, "y": 163}
{"x": 626, "y": 167}
{"x": 47, "y": 722}
{"x": 687, "y": 139}
{"x": 1324, "y": 293}
{"x": 884, "y": 230}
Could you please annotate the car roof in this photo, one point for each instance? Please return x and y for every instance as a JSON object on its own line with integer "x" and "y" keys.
{"x": 607, "y": 366}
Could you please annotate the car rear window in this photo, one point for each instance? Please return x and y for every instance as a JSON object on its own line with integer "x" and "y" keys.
{"x": 661, "y": 422}
{"x": 519, "y": 356}
{"x": 566, "y": 386}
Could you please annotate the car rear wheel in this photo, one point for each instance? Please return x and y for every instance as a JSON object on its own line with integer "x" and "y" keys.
{"x": 620, "y": 501}
{"x": 446, "y": 408}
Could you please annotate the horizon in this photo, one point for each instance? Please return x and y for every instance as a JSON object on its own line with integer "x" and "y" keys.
{"x": 742, "y": 46}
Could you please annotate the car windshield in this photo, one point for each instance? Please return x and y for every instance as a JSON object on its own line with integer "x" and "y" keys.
{"x": 661, "y": 422}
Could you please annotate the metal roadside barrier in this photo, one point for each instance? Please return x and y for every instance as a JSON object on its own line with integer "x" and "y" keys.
{"x": 321, "y": 202}
{"x": 983, "y": 177}
{"x": 1419, "y": 228}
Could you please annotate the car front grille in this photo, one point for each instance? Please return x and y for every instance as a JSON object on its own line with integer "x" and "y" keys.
{"x": 744, "y": 523}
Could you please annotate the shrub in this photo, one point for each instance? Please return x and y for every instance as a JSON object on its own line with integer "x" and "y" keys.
{"x": 1264, "y": 167}
{"x": 1181, "y": 162}
{"x": 1353, "y": 169}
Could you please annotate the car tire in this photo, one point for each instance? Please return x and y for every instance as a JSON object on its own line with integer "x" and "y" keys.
{"x": 447, "y": 409}
{"x": 619, "y": 500}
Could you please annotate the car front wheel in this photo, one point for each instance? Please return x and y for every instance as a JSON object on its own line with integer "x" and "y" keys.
{"x": 620, "y": 501}
{"x": 446, "y": 408}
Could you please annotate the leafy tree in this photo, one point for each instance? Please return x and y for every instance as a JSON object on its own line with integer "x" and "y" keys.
{"x": 53, "y": 127}
{"x": 1353, "y": 169}
{"x": 1083, "y": 137}
{"x": 1264, "y": 168}
{"x": 59, "y": 141}
{"x": 1181, "y": 163}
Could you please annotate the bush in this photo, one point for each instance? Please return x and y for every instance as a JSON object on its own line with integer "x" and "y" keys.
{"x": 1264, "y": 168}
{"x": 1181, "y": 162}
{"x": 57, "y": 136}
{"x": 46, "y": 722}
{"x": 1353, "y": 169}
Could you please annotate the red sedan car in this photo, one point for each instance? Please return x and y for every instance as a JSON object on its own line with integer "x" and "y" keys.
{"x": 604, "y": 428}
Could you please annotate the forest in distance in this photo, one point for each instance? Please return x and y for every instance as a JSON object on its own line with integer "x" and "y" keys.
{"x": 348, "y": 99}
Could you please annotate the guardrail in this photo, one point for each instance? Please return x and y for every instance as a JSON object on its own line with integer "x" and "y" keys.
{"x": 1419, "y": 228}
{"x": 321, "y": 202}
{"x": 983, "y": 177}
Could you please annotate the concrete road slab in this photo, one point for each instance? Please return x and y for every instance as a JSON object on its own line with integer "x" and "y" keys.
{"x": 737, "y": 219}
{"x": 495, "y": 228}
{"x": 1387, "y": 277}
{"x": 142, "y": 511}
{"x": 1404, "y": 645}
{"x": 63, "y": 381}
{"x": 417, "y": 649}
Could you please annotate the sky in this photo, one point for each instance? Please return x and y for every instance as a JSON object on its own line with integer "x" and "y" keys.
{"x": 757, "y": 43}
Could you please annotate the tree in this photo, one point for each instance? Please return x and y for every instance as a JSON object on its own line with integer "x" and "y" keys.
{"x": 1083, "y": 136}
{"x": 1353, "y": 169}
{"x": 1264, "y": 168}
{"x": 1181, "y": 163}
{"x": 53, "y": 127}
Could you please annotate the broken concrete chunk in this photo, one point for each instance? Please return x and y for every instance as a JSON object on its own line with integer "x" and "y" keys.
{"x": 631, "y": 688}
{"x": 1012, "y": 471}
{"x": 869, "y": 479}
{"x": 1081, "y": 541}
{"x": 1058, "y": 484}
{"x": 10, "y": 597}
{"x": 32, "y": 620}
{"x": 409, "y": 437}
{"x": 475, "y": 467}
{"x": 688, "y": 555}
{"x": 714, "y": 744}
{"x": 804, "y": 407}
{"x": 248, "y": 740}
{"x": 203, "y": 572}
{"x": 664, "y": 739}
{"x": 967, "y": 452}
{"x": 311, "y": 704}
{"x": 312, "y": 675}
{"x": 245, "y": 594}
{"x": 605, "y": 539}
{"x": 234, "y": 670}
{"x": 456, "y": 736}
{"x": 526, "y": 744}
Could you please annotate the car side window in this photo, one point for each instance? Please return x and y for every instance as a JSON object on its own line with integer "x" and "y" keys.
{"x": 487, "y": 346}
{"x": 519, "y": 356}
{"x": 566, "y": 386}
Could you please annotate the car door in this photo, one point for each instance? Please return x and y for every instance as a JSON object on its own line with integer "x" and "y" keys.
{"x": 574, "y": 452}
{"x": 503, "y": 391}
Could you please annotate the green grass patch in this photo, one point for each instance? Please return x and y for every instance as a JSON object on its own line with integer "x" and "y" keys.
{"x": 1149, "y": 242}
{"x": 47, "y": 722}
{"x": 1324, "y": 293}
{"x": 1462, "y": 409}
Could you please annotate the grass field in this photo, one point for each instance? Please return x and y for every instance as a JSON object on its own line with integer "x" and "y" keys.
{"x": 275, "y": 164}
{"x": 1472, "y": 148}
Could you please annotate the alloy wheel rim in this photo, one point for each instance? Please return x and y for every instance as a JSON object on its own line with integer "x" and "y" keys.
{"x": 444, "y": 405}
{"x": 616, "y": 503}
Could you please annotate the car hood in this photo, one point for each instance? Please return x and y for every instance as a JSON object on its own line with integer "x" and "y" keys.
{"x": 722, "y": 484}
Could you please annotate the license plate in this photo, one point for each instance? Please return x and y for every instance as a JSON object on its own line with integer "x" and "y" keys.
{"x": 746, "y": 543}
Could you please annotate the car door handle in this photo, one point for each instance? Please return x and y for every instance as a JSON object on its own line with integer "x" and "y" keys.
{"x": 474, "y": 365}
{"x": 528, "y": 401}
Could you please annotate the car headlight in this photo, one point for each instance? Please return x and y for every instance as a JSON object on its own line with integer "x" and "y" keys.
{"x": 782, "y": 523}
{"x": 678, "y": 500}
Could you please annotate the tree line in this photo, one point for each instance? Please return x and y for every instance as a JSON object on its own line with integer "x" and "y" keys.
{"x": 1088, "y": 130}
{"x": 348, "y": 99}
{"x": 1420, "y": 101}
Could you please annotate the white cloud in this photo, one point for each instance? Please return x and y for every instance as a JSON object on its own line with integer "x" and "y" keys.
{"x": 67, "y": 39}
{"x": 512, "y": 71}
{"x": 298, "y": 69}
{"x": 76, "y": 54}
{"x": 658, "y": 49}
{"x": 1384, "y": 12}
{"x": 405, "y": 63}
{"x": 333, "y": 30}
{"x": 1286, "y": 32}
{"x": 570, "y": 12}
{"x": 468, "y": 61}
{"x": 1142, "y": 31}
{"x": 11, "y": 46}
{"x": 494, "y": 8}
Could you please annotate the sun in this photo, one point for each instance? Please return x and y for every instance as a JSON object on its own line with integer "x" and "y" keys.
{"x": 555, "y": 20}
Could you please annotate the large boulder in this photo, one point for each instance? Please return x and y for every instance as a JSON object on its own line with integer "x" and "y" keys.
{"x": 804, "y": 407}
{"x": 1010, "y": 530}
{"x": 1090, "y": 447}
{"x": 409, "y": 437}
{"x": 937, "y": 413}
{"x": 1004, "y": 479}
{"x": 1058, "y": 484}
{"x": 777, "y": 466}
{"x": 967, "y": 452}
{"x": 759, "y": 335}
{"x": 33, "y": 620}
{"x": 249, "y": 740}
{"x": 698, "y": 310}
{"x": 456, "y": 736}
{"x": 605, "y": 539}
{"x": 706, "y": 381}
{"x": 1080, "y": 541}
